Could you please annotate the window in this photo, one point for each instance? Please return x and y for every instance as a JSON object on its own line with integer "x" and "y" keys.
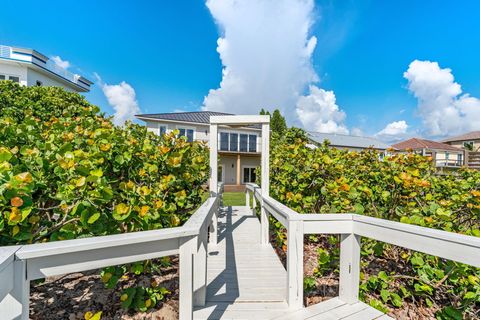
{"x": 162, "y": 129}
{"x": 233, "y": 141}
{"x": 223, "y": 141}
{"x": 249, "y": 175}
{"x": 186, "y": 133}
{"x": 460, "y": 159}
{"x": 14, "y": 79}
{"x": 38, "y": 83}
{"x": 243, "y": 142}
{"x": 252, "y": 143}
{"x": 447, "y": 155}
{"x": 2, "y": 77}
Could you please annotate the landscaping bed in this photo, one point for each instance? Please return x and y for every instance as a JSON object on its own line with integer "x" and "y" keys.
{"x": 71, "y": 296}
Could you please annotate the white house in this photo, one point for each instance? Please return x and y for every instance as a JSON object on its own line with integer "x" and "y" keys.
{"x": 31, "y": 68}
{"x": 239, "y": 148}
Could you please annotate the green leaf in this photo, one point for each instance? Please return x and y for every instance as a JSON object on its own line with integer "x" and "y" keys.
{"x": 94, "y": 217}
{"x": 359, "y": 208}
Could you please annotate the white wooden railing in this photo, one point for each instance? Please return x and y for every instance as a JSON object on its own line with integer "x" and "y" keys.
{"x": 351, "y": 227}
{"x": 21, "y": 264}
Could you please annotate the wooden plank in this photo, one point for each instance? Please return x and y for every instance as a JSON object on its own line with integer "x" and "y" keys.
{"x": 56, "y": 264}
{"x": 448, "y": 245}
{"x": 186, "y": 275}
{"x": 314, "y": 310}
{"x": 340, "y": 312}
{"x": 295, "y": 264}
{"x": 366, "y": 314}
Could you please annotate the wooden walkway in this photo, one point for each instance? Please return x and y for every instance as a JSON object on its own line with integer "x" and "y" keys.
{"x": 246, "y": 280}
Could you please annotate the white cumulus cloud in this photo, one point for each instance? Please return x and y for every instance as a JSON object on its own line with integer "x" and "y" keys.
{"x": 60, "y": 62}
{"x": 395, "y": 128}
{"x": 441, "y": 105}
{"x": 266, "y": 50}
{"x": 123, "y": 100}
{"x": 319, "y": 112}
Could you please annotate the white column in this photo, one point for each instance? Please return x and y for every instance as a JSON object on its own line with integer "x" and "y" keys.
{"x": 349, "y": 267}
{"x": 213, "y": 142}
{"x": 295, "y": 264}
{"x": 188, "y": 246}
{"x": 247, "y": 198}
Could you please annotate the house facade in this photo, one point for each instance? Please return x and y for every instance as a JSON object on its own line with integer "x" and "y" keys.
{"x": 348, "y": 142}
{"x": 469, "y": 141}
{"x": 442, "y": 154}
{"x": 238, "y": 148}
{"x": 31, "y": 68}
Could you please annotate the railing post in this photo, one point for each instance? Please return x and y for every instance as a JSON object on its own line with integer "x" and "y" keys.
{"x": 247, "y": 198}
{"x": 188, "y": 246}
{"x": 295, "y": 264}
{"x": 213, "y": 229}
{"x": 200, "y": 277}
{"x": 254, "y": 204}
{"x": 349, "y": 267}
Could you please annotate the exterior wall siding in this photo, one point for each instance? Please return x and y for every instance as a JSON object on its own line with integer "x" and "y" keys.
{"x": 33, "y": 76}
{"x": 14, "y": 70}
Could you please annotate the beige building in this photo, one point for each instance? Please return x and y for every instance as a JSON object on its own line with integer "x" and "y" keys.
{"x": 443, "y": 155}
{"x": 468, "y": 141}
{"x": 238, "y": 148}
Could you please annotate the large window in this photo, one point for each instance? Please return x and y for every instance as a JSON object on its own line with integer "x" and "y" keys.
{"x": 187, "y": 133}
{"x": 243, "y": 142}
{"x": 252, "y": 143}
{"x": 223, "y": 141}
{"x": 249, "y": 175}
{"x": 233, "y": 141}
{"x": 2, "y": 77}
{"x": 14, "y": 79}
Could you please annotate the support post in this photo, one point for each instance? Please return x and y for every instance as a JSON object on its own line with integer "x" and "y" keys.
{"x": 295, "y": 264}
{"x": 247, "y": 198}
{"x": 188, "y": 246}
{"x": 265, "y": 165}
{"x": 213, "y": 229}
{"x": 200, "y": 278}
{"x": 349, "y": 267}
{"x": 213, "y": 159}
{"x": 254, "y": 204}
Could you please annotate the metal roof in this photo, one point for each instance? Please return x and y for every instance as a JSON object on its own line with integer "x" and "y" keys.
{"x": 474, "y": 135}
{"x": 346, "y": 141}
{"x": 202, "y": 117}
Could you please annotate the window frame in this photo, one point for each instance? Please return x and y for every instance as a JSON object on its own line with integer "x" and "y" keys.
{"x": 251, "y": 169}
{"x": 186, "y": 128}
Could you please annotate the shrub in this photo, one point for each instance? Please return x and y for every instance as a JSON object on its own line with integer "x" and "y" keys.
{"x": 402, "y": 187}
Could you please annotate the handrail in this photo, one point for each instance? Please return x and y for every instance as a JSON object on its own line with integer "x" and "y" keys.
{"x": 448, "y": 245}
{"x": 21, "y": 264}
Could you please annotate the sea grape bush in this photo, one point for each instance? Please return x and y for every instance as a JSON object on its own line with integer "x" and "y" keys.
{"x": 402, "y": 187}
{"x": 67, "y": 172}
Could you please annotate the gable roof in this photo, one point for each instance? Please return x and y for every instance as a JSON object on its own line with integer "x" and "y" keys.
{"x": 417, "y": 143}
{"x": 201, "y": 117}
{"x": 474, "y": 135}
{"x": 343, "y": 140}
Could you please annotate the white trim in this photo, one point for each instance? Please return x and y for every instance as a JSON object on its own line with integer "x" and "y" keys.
{"x": 191, "y": 123}
{"x": 240, "y": 119}
{"x": 223, "y": 173}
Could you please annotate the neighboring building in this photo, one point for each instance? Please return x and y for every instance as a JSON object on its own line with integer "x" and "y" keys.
{"x": 31, "y": 68}
{"x": 469, "y": 141}
{"x": 239, "y": 148}
{"x": 443, "y": 155}
{"x": 352, "y": 143}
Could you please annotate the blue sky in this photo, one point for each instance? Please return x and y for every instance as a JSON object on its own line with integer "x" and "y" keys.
{"x": 167, "y": 52}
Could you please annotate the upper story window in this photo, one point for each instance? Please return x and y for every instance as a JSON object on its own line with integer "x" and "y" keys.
{"x": 2, "y": 77}
{"x": 243, "y": 142}
{"x": 252, "y": 143}
{"x": 14, "y": 79}
{"x": 224, "y": 141}
{"x": 186, "y": 133}
{"x": 233, "y": 141}
{"x": 468, "y": 145}
{"x": 237, "y": 142}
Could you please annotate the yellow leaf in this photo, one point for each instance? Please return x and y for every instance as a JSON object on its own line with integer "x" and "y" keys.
{"x": 80, "y": 182}
{"x": 124, "y": 297}
{"x": 15, "y": 215}
{"x": 90, "y": 316}
{"x": 148, "y": 303}
{"x": 15, "y": 230}
{"x": 106, "y": 277}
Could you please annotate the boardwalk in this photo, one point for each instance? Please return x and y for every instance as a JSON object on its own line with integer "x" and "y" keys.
{"x": 247, "y": 280}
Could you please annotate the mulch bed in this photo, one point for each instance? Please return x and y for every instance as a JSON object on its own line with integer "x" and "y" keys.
{"x": 71, "y": 296}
